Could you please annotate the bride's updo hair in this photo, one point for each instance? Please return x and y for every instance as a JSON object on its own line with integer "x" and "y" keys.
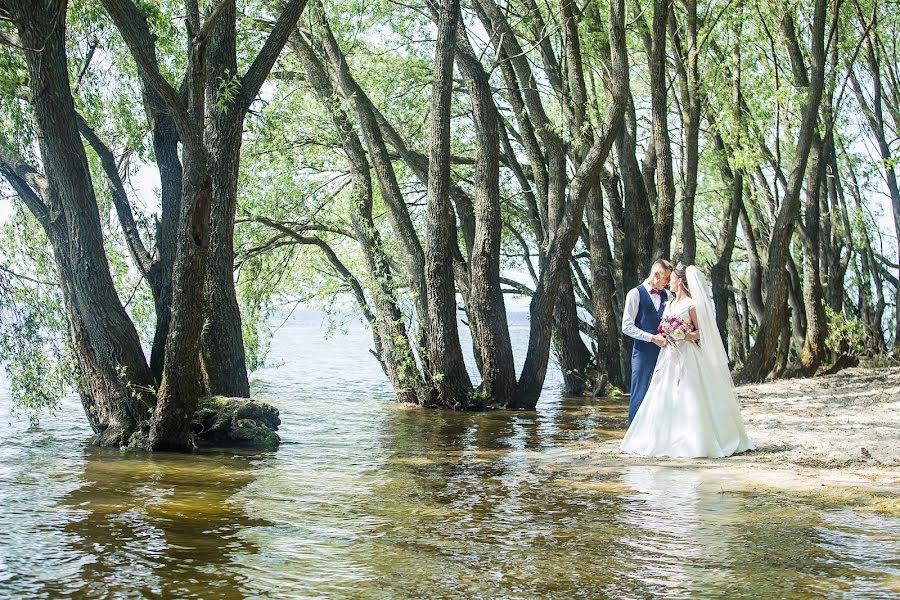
{"x": 681, "y": 270}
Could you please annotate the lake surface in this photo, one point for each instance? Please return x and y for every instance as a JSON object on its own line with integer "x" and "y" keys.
{"x": 366, "y": 500}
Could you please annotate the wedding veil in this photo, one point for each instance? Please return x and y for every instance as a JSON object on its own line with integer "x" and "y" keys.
{"x": 711, "y": 345}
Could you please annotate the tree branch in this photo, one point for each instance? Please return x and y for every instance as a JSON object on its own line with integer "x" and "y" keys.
{"x": 119, "y": 196}
{"x": 132, "y": 26}
{"x": 30, "y": 185}
{"x": 265, "y": 60}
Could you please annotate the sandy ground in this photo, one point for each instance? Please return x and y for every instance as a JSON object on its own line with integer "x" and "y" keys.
{"x": 837, "y": 434}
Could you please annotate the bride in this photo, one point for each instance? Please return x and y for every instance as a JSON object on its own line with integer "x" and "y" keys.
{"x": 690, "y": 409}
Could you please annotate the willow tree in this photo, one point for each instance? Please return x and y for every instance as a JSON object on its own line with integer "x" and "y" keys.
{"x": 762, "y": 357}
{"x": 120, "y": 393}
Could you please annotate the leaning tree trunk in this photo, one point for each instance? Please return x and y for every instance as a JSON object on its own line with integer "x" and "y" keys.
{"x": 563, "y": 239}
{"x": 116, "y": 380}
{"x": 689, "y": 80}
{"x": 762, "y": 357}
{"x": 395, "y": 352}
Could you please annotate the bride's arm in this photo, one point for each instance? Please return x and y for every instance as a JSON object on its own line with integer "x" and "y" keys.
{"x": 694, "y": 335}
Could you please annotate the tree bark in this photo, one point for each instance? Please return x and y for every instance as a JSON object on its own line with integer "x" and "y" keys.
{"x": 448, "y": 377}
{"x": 606, "y": 322}
{"x": 396, "y": 354}
{"x": 563, "y": 237}
{"x": 222, "y": 341}
{"x": 116, "y": 385}
{"x": 665, "y": 184}
{"x": 485, "y": 302}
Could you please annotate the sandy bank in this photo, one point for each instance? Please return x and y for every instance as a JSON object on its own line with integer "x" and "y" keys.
{"x": 832, "y": 435}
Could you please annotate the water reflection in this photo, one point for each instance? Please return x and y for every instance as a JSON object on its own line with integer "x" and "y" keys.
{"x": 152, "y": 526}
{"x": 368, "y": 500}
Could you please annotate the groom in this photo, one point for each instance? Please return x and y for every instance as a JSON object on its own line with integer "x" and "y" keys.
{"x": 643, "y": 311}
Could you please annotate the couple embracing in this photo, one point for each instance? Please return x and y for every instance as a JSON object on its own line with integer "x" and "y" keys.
{"x": 683, "y": 402}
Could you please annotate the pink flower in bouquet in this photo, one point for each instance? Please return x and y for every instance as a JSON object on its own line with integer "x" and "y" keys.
{"x": 674, "y": 328}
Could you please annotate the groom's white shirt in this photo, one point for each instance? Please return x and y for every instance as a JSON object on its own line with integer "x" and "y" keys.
{"x": 632, "y": 303}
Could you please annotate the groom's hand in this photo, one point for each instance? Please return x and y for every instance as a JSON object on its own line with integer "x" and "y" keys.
{"x": 659, "y": 341}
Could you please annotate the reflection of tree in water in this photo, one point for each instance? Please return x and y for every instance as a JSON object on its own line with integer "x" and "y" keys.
{"x": 472, "y": 504}
{"x": 161, "y": 526}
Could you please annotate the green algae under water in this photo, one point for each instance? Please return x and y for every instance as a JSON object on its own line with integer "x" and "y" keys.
{"x": 365, "y": 500}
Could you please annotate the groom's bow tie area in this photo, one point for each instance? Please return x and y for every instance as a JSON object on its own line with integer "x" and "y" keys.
{"x": 655, "y": 292}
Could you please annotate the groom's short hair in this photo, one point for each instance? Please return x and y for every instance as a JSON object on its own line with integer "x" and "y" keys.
{"x": 661, "y": 262}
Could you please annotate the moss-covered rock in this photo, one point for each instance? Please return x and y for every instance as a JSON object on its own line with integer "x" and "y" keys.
{"x": 236, "y": 423}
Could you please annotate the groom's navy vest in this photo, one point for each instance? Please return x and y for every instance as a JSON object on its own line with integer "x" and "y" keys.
{"x": 644, "y": 354}
{"x": 648, "y": 317}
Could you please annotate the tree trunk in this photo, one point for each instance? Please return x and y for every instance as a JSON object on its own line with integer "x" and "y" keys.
{"x": 606, "y": 323}
{"x": 665, "y": 184}
{"x": 813, "y": 352}
{"x": 761, "y": 359}
{"x": 116, "y": 382}
{"x": 222, "y": 342}
{"x": 181, "y": 386}
{"x": 563, "y": 237}
{"x": 485, "y": 302}
{"x": 396, "y": 354}
{"x": 689, "y": 79}
{"x": 449, "y": 380}
{"x": 574, "y": 357}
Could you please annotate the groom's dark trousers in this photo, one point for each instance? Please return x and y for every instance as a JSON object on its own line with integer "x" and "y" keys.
{"x": 644, "y": 354}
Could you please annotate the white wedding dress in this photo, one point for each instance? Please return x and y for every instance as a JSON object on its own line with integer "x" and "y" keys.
{"x": 690, "y": 410}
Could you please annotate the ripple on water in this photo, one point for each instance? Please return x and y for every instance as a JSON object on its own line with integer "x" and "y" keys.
{"x": 365, "y": 500}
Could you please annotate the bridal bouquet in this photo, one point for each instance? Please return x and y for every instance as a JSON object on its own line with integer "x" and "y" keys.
{"x": 674, "y": 329}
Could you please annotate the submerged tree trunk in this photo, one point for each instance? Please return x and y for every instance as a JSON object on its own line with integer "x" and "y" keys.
{"x": 485, "y": 302}
{"x": 395, "y": 352}
{"x": 606, "y": 323}
{"x": 116, "y": 385}
{"x": 222, "y": 342}
{"x": 448, "y": 378}
{"x": 574, "y": 357}
{"x": 564, "y": 236}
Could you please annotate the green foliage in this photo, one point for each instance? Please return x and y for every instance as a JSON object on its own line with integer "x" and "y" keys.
{"x": 846, "y": 335}
{"x": 34, "y": 345}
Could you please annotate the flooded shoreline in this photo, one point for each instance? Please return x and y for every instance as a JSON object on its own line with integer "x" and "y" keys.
{"x": 367, "y": 500}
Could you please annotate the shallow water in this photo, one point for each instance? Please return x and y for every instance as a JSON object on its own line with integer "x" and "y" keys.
{"x": 367, "y": 500}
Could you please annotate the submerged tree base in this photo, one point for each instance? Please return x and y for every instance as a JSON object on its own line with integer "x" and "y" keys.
{"x": 220, "y": 422}
{"x": 236, "y": 423}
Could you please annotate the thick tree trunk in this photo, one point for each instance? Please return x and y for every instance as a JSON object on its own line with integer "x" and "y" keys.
{"x": 606, "y": 323}
{"x": 181, "y": 386}
{"x": 222, "y": 342}
{"x": 448, "y": 378}
{"x": 574, "y": 357}
{"x": 116, "y": 382}
{"x": 485, "y": 302}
